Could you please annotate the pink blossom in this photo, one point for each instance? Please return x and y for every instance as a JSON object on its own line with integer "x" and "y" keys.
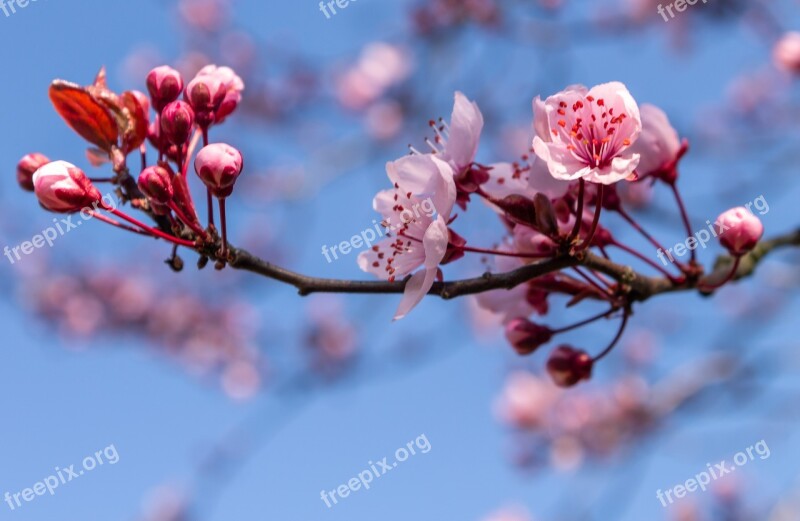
{"x": 416, "y": 212}
{"x": 205, "y": 94}
{"x": 155, "y": 183}
{"x": 588, "y": 134}
{"x": 63, "y": 187}
{"x": 526, "y": 336}
{"x": 165, "y": 85}
{"x": 567, "y": 366}
{"x": 739, "y": 230}
{"x": 658, "y": 146}
{"x": 218, "y": 165}
{"x": 523, "y": 179}
{"x": 177, "y": 121}
{"x": 526, "y": 400}
{"x": 27, "y": 166}
{"x": 786, "y": 53}
{"x": 233, "y": 89}
{"x": 508, "y": 304}
{"x": 458, "y": 142}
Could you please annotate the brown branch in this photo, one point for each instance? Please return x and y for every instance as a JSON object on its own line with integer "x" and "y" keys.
{"x": 638, "y": 287}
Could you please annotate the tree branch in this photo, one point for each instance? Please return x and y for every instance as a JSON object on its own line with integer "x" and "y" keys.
{"x": 638, "y": 287}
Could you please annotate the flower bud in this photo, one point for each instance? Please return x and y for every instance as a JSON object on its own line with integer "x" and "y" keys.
{"x": 526, "y": 336}
{"x": 233, "y": 89}
{"x": 568, "y": 366}
{"x": 63, "y": 187}
{"x": 205, "y": 94}
{"x": 165, "y": 85}
{"x": 218, "y": 165}
{"x": 786, "y": 53}
{"x": 27, "y": 166}
{"x": 177, "y": 120}
{"x": 155, "y": 183}
{"x": 739, "y": 230}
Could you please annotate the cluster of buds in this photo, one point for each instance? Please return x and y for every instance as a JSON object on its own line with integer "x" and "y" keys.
{"x": 119, "y": 124}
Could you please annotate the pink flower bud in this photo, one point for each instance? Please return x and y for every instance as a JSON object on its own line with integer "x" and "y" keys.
{"x": 739, "y": 230}
{"x": 205, "y": 94}
{"x": 143, "y": 101}
{"x": 177, "y": 120}
{"x": 526, "y": 336}
{"x": 63, "y": 187}
{"x": 567, "y": 366}
{"x": 27, "y": 166}
{"x": 658, "y": 145}
{"x": 165, "y": 85}
{"x": 156, "y": 184}
{"x": 233, "y": 86}
{"x": 786, "y": 53}
{"x": 218, "y": 165}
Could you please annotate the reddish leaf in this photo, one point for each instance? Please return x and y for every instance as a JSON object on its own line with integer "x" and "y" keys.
{"x": 137, "y": 121}
{"x": 84, "y": 114}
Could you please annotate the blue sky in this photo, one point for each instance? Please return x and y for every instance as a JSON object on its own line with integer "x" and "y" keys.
{"x": 66, "y": 399}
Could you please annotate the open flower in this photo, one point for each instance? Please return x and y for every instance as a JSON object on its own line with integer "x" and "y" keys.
{"x": 588, "y": 134}
{"x": 415, "y": 213}
{"x": 459, "y": 139}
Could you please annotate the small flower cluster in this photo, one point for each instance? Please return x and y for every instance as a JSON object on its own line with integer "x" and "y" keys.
{"x": 586, "y": 141}
{"x": 120, "y": 124}
{"x": 562, "y": 428}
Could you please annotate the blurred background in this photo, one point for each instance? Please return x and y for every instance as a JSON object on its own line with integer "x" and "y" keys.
{"x": 227, "y": 396}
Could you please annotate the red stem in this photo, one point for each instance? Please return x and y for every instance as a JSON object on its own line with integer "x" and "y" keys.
{"x": 588, "y": 279}
{"x": 588, "y": 243}
{"x": 507, "y": 253}
{"x": 685, "y": 218}
{"x": 153, "y": 231}
{"x": 584, "y": 322}
{"x": 616, "y": 338}
{"x": 645, "y": 259}
{"x": 191, "y": 224}
{"x": 101, "y": 217}
{"x": 579, "y": 214}
{"x": 224, "y": 223}
{"x": 728, "y": 278}
{"x": 209, "y": 201}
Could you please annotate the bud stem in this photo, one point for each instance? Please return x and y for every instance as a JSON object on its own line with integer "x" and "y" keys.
{"x": 584, "y": 322}
{"x": 728, "y": 277}
{"x": 152, "y": 231}
{"x": 616, "y": 338}
{"x": 112, "y": 222}
{"x": 579, "y": 213}
{"x": 588, "y": 243}
{"x": 224, "y": 224}
{"x": 507, "y": 253}
{"x": 684, "y": 217}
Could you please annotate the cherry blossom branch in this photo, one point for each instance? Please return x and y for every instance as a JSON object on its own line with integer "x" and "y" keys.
{"x": 638, "y": 287}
